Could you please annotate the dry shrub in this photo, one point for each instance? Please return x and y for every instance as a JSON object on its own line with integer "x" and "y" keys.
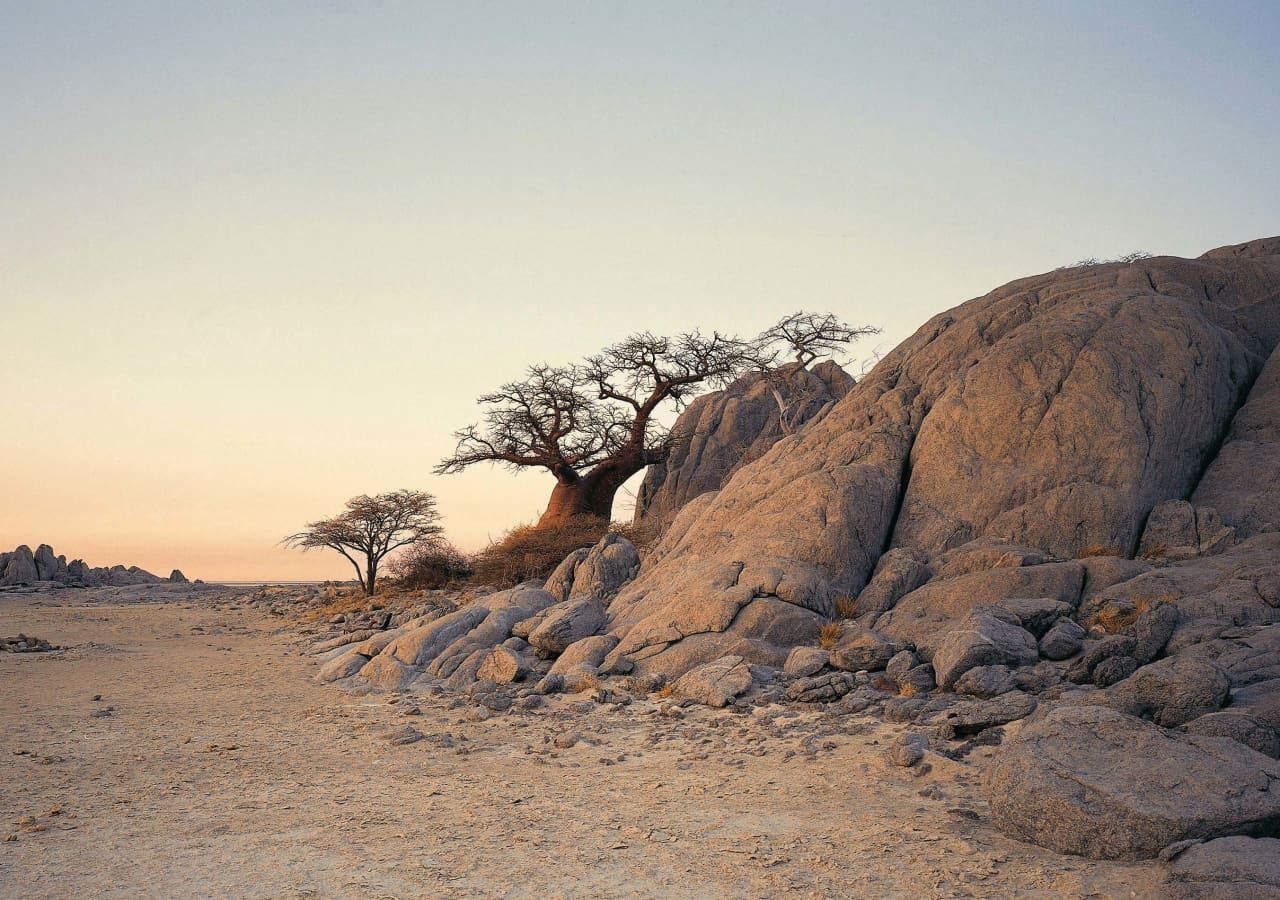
{"x": 1118, "y": 615}
{"x": 348, "y": 601}
{"x": 527, "y": 551}
{"x": 1155, "y": 551}
{"x": 846, "y": 607}
{"x": 586, "y": 683}
{"x": 666, "y": 690}
{"x": 829, "y": 635}
{"x": 1099, "y": 550}
{"x": 429, "y": 566}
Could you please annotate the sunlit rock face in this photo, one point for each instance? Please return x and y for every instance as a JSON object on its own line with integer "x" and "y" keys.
{"x": 1054, "y": 413}
{"x": 727, "y": 429}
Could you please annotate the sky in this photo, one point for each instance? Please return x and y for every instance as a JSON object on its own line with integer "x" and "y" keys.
{"x": 257, "y": 258}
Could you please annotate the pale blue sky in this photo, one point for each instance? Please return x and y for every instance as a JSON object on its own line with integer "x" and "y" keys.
{"x": 256, "y": 258}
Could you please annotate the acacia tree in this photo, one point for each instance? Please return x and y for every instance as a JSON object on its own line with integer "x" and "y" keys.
{"x": 809, "y": 336}
{"x": 372, "y": 527}
{"x": 591, "y": 425}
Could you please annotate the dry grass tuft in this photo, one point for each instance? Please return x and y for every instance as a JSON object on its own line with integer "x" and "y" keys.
{"x": 527, "y": 552}
{"x": 1099, "y": 550}
{"x": 666, "y": 690}
{"x": 1116, "y": 617}
{"x": 1155, "y": 551}
{"x": 351, "y": 600}
{"x": 587, "y": 683}
{"x": 846, "y": 607}
{"x": 829, "y": 635}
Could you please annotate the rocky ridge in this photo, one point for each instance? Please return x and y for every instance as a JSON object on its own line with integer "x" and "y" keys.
{"x": 21, "y": 567}
{"x": 1046, "y": 517}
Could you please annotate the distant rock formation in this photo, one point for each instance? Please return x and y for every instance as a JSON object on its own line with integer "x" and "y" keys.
{"x": 22, "y": 567}
{"x": 728, "y": 429}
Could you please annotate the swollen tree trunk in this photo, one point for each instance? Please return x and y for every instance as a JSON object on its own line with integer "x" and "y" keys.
{"x": 591, "y": 494}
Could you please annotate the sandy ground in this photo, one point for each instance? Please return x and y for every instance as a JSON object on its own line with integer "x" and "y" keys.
{"x": 216, "y": 767}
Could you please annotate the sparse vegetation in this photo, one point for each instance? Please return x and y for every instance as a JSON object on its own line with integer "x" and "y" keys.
{"x": 809, "y": 336}
{"x": 829, "y": 635}
{"x": 429, "y": 566}
{"x": 372, "y": 527}
{"x": 846, "y": 607}
{"x": 1095, "y": 261}
{"x": 532, "y": 551}
{"x": 1100, "y": 550}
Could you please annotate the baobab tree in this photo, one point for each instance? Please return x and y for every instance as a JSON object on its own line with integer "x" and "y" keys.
{"x": 372, "y": 527}
{"x": 592, "y": 425}
{"x": 808, "y": 336}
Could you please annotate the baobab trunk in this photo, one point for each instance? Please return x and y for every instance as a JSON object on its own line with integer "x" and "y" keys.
{"x": 588, "y": 495}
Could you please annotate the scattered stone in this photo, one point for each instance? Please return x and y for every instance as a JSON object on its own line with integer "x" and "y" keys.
{"x": 405, "y": 735}
{"x": 970, "y": 718}
{"x": 821, "y": 688}
{"x": 862, "y": 649}
{"x": 566, "y": 740}
{"x": 908, "y": 749}
{"x": 1113, "y": 670}
{"x": 1063, "y": 640}
{"x": 985, "y": 637}
{"x": 26, "y": 644}
{"x": 502, "y": 666}
{"x": 715, "y": 683}
{"x": 1172, "y": 691}
{"x": 985, "y": 681}
{"x": 804, "y": 661}
{"x": 1229, "y": 868}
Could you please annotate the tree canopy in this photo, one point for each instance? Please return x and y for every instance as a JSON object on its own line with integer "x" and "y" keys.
{"x": 592, "y": 424}
{"x": 373, "y": 527}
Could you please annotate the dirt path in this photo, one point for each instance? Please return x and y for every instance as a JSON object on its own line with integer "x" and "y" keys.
{"x": 223, "y": 770}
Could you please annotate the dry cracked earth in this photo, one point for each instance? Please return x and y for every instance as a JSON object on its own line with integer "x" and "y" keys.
{"x": 181, "y": 748}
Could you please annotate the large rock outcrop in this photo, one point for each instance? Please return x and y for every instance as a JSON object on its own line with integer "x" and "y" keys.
{"x": 730, "y": 428}
{"x": 1243, "y": 483}
{"x": 22, "y": 567}
{"x": 1054, "y": 413}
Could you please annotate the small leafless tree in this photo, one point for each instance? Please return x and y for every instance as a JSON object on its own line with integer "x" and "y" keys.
{"x": 808, "y": 336}
{"x": 591, "y": 425}
{"x": 372, "y": 527}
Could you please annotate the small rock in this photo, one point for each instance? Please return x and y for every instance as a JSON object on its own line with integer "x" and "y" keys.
{"x": 406, "y": 735}
{"x": 908, "y": 749}
{"x": 804, "y": 661}
{"x": 985, "y": 681}
{"x": 1113, "y": 670}
{"x": 1063, "y": 640}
